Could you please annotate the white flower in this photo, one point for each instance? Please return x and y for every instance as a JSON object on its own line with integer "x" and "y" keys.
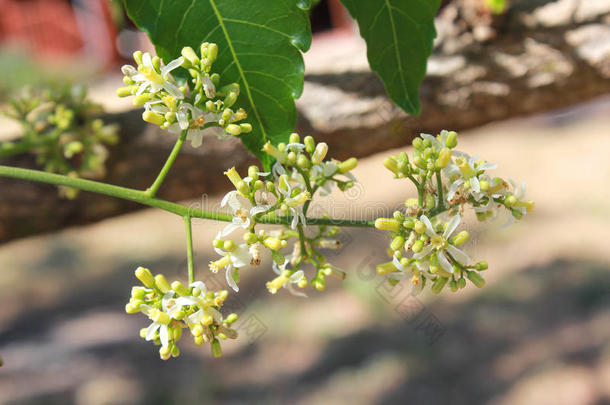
{"x": 297, "y": 211}
{"x": 441, "y": 244}
{"x": 466, "y": 169}
{"x": 205, "y": 305}
{"x": 147, "y": 77}
{"x": 239, "y": 257}
{"x": 161, "y": 318}
{"x": 242, "y": 212}
{"x": 327, "y": 170}
{"x": 285, "y": 280}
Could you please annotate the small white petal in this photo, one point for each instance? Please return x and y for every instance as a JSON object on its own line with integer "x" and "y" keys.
{"x": 429, "y": 230}
{"x": 458, "y": 254}
{"x": 296, "y": 276}
{"x": 150, "y": 331}
{"x": 453, "y": 188}
{"x": 182, "y": 120}
{"x": 196, "y": 137}
{"x": 128, "y": 70}
{"x": 295, "y": 292}
{"x": 164, "y": 336}
{"x": 424, "y": 252}
{"x": 451, "y": 225}
{"x": 171, "y": 66}
{"x": 442, "y": 260}
{"x": 172, "y": 89}
{"x": 230, "y": 280}
{"x": 474, "y": 183}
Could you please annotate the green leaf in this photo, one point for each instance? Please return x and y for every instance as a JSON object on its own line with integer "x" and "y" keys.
{"x": 259, "y": 47}
{"x": 399, "y": 35}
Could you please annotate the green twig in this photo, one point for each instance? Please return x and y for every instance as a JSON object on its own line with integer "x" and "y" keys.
{"x": 189, "y": 248}
{"x": 152, "y": 190}
{"x": 441, "y": 201}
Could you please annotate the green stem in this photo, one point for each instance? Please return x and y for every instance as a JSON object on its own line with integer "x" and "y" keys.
{"x": 142, "y": 197}
{"x": 189, "y": 248}
{"x": 152, "y": 190}
{"x": 441, "y": 201}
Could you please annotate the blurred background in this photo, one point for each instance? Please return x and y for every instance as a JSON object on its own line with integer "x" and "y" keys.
{"x": 528, "y": 89}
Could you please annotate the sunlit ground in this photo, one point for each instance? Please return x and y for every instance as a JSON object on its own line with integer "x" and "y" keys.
{"x": 538, "y": 333}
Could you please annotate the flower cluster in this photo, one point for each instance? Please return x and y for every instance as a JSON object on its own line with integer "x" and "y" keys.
{"x": 423, "y": 245}
{"x": 179, "y": 107}
{"x": 60, "y": 127}
{"x": 284, "y": 196}
{"x": 173, "y": 307}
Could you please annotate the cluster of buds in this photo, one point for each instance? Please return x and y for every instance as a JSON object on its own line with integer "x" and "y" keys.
{"x": 299, "y": 172}
{"x": 60, "y": 127}
{"x": 173, "y": 307}
{"x": 182, "y": 107}
{"x": 423, "y": 245}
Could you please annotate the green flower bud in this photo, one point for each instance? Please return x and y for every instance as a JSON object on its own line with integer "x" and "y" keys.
{"x": 303, "y": 162}
{"x": 216, "y": 349}
{"x": 453, "y": 285}
{"x": 451, "y": 140}
{"x": 245, "y": 128}
{"x": 233, "y": 129}
{"x": 476, "y": 279}
{"x": 386, "y": 268}
{"x": 153, "y": 118}
{"x": 231, "y": 319}
{"x": 419, "y": 227}
{"x": 310, "y": 144}
{"x": 212, "y": 52}
{"x": 190, "y": 55}
{"x": 137, "y": 56}
{"x": 409, "y": 223}
{"x": 253, "y": 172}
{"x": 461, "y": 283}
{"x": 250, "y": 238}
{"x": 230, "y": 99}
{"x": 510, "y": 200}
{"x": 270, "y": 186}
{"x": 162, "y": 283}
{"x": 175, "y": 351}
{"x": 145, "y": 276}
{"x": 417, "y": 246}
{"x": 417, "y": 143}
{"x": 319, "y": 153}
{"x": 294, "y": 138}
{"x": 143, "y": 333}
{"x": 258, "y": 185}
{"x": 397, "y": 243}
{"x": 138, "y": 293}
{"x": 272, "y": 243}
{"x": 197, "y": 330}
{"x": 218, "y": 244}
{"x": 291, "y": 158}
{"x": 444, "y": 157}
{"x": 229, "y": 246}
{"x": 319, "y": 283}
{"x": 165, "y": 352}
{"x": 482, "y": 265}
{"x": 439, "y": 284}
{"x": 460, "y": 238}
{"x": 516, "y": 213}
{"x": 348, "y": 165}
{"x": 387, "y": 224}
{"x": 124, "y": 91}
{"x": 391, "y": 164}
{"x": 130, "y": 308}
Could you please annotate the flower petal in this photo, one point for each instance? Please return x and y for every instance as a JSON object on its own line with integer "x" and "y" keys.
{"x": 164, "y": 336}
{"x": 423, "y": 253}
{"x": 230, "y": 280}
{"x": 150, "y": 331}
{"x": 458, "y": 254}
{"x": 429, "y": 230}
{"x": 442, "y": 260}
{"x": 451, "y": 225}
{"x": 171, "y": 66}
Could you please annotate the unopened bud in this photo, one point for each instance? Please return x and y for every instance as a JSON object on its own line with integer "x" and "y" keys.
{"x": 451, "y": 140}
{"x": 482, "y": 265}
{"x": 439, "y": 284}
{"x": 444, "y": 157}
{"x": 145, "y": 276}
{"x": 162, "y": 283}
{"x": 387, "y": 224}
{"x": 460, "y": 238}
{"x": 153, "y": 118}
{"x": 310, "y": 144}
{"x": 348, "y": 165}
{"x": 319, "y": 153}
{"x": 476, "y": 279}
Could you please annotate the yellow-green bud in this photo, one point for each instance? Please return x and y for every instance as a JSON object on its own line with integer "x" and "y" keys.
{"x": 291, "y": 158}
{"x": 250, "y": 238}
{"x": 197, "y": 330}
{"x": 145, "y": 276}
{"x": 272, "y": 243}
{"x": 476, "y": 279}
{"x": 510, "y": 200}
{"x": 453, "y": 285}
{"x": 270, "y": 186}
{"x": 245, "y": 128}
{"x": 409, "y": 223}
{"x": 461, "y": 283}
{"x": 460, "y": 238}
{"x": 482, "y": 265}
{"x": 310, "y": 144}
{"x": 124, "y": 91}
{"x": 391, "y": 164}
{"x": 386, "y": 268}
{"x": 175, "y": 351}
{"x": 216, "y": 349}
{"x": 229, "y": 246}
{"x": 348, "y": 165}
{"x": 137, "y": 56}
{"x": 439, "y": 284}
{"x": 218, "y": 243}
{"x": 233, "y": 129}
{"x": 451, "y": 140}
{"x": 444, "y": 157}
{"x": 138, "y": 292}
{"x": 387, "y": 224}
{"x": 417, "y": 246}
{"x": 212, "y": 52}
{"x": 397, "y": 243}
{"x": 190, "y": 55}
{"x": 303, "y": 162}
{"x": 319, "y": 153}
{"x": 130, "y": 308}
{"x": 231, "y": 318}
{"x": 417, "y": 143}
{"x": 153, "y": 118}
{"x": 165, "y": 352}
{"x": 419, "y": 227}
{"x": 162, "y": 283}
{"x": 319, "y": 283}
{"x": 294, "y": 138}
